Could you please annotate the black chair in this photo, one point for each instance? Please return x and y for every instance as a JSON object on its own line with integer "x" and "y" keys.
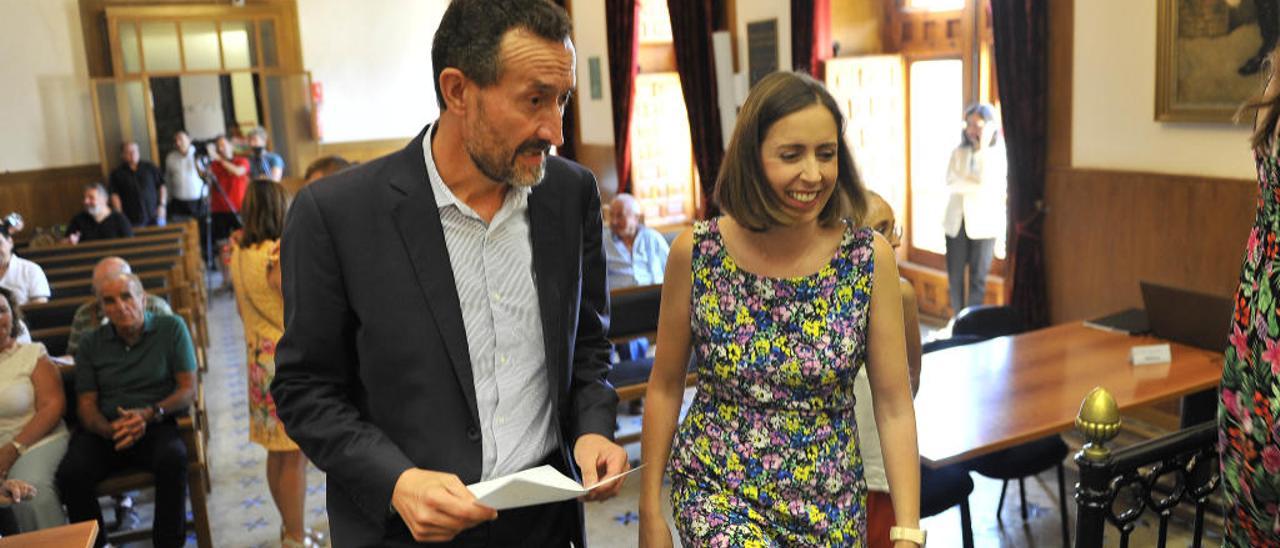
{"x": 942, "y": 488}
{"x": 1027, "y": 459}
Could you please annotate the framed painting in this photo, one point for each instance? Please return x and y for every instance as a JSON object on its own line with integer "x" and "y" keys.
{"x": 1209, "y": 56}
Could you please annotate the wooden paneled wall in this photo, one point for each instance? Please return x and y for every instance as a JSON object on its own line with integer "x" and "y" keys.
{"x": 1107, "y": 230}
{"x": 45, "y": 197}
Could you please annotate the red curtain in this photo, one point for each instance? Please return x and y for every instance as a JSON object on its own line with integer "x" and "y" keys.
{"x": 570, "y": 126}
{"x": 810, "y": 35}
{"x": 621, "y": 17}
{"x": 691, "y": 28}
{"x": 1021, "y": 53}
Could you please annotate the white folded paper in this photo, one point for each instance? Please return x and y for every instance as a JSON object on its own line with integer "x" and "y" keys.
{"x": 540, "y": 485}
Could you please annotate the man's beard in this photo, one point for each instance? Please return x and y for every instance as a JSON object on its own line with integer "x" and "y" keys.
{"x": 494, "y": 162}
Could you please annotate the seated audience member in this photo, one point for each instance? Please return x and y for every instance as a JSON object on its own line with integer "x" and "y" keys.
{"x": 24, "y": 278}
{"x": 263, "y": 164}
{"x": 137, "y": 188}
{"x": 324, "y": 167}
{"x": 98, "y": 221}
{"x": 89, "y": 316}
{"x": 182, "y": 181}
{"x": 880, "y": 516}
{"x": 636, "y": 254}
{"x": 133, "y": 376}
{"x": 32, "y": 435}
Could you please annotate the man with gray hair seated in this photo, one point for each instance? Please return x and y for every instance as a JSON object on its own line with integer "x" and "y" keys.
{"x": 133, "y": 376}
{"x": 635, "y": 254}
{"x": 89, "y": 316}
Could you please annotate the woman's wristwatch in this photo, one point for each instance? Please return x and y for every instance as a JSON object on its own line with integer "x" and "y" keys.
{"x": 908, "y": 534}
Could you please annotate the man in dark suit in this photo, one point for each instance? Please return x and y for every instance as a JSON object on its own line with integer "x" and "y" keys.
{"x": 445, "y": 306}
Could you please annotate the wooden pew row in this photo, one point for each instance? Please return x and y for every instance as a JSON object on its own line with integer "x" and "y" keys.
{"x": 35, "y": 254}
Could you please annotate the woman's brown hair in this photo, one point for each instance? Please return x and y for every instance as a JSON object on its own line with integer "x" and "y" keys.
{"x": 1264, "y": 131}
{"x": 265, "y": 204}
{"x": 15, "y": 313}
{"x": 742, "y": 189}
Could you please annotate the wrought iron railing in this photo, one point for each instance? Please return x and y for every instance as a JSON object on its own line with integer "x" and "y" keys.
{"x": 1158, "y": 475}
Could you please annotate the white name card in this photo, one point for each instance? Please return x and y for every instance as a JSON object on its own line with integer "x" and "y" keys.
{"x": 1150, "y": 354}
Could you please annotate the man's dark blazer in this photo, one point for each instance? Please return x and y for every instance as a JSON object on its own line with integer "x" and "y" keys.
{"x": 373, "y": 373}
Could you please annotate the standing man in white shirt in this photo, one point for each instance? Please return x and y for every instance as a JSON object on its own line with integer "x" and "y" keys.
{"x": 182, "y": 179}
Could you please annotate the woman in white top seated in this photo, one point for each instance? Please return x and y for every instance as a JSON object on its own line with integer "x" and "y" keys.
{"x": 24, "y": 278}
{"x": 33, "y": 437}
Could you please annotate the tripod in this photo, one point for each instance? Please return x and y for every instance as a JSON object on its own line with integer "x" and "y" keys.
{"x": 206, "y": 198}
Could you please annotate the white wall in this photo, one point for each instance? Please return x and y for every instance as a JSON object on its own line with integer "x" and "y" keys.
{"x": 1113, "y": 89}
{"x": 44, "y": 87}
{"x": 595, "y": 116}
{"x": 374, "y": 62}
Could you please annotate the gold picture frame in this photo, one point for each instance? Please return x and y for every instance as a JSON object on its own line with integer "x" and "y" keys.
{"x": 1201, "y": 48}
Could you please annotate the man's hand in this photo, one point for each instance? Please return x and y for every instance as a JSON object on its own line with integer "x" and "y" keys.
{"x": 73, "y": 238}
{"x": 129, "y": 428}
{"x": 599, "y": 458}
{"x": 437, "y": 506}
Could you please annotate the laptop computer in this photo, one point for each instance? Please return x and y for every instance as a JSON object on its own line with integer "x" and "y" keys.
{"x": 1187, "y": 317}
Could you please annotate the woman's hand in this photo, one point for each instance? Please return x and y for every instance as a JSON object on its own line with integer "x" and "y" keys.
{"x": 14, "y": 491}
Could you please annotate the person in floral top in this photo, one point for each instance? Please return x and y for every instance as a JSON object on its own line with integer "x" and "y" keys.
{"x": 781, "y": 302}
{"x": 255, "y": 274}
{"x": 1248, "y": 433}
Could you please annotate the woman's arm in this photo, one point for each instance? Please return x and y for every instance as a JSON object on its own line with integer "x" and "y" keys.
{"x": 49, "y": 406}
{"x": 911, "y": 321}
{"x": 891, "y": 389}
{"x": 666, "y": 389}
{"x": 959, "y": 179}
{"x": 51, "y": 402}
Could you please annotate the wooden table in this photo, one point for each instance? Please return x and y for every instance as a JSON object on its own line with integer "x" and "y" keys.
{"x": 76, "y": 535}
{"x": 983, "y": 397}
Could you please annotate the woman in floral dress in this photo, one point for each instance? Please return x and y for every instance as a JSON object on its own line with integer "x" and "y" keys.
{"x": 255, "y": 274}
{"x": 1248, "y": 433}
{"x": 781, "y": 302}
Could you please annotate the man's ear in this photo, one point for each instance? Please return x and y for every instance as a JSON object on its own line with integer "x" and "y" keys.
{"x": 454, "y": 87}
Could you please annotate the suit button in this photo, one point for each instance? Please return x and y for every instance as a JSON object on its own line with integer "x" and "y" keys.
{"x": 473, "y": 433}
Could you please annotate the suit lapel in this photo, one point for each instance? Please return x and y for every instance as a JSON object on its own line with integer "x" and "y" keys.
{"x": 545, "y": 229}
{"x": 418, "y": 220}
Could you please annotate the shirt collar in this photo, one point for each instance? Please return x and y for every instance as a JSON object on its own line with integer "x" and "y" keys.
{"x": 445, "y": 197}
{"x": 148, "y": 325}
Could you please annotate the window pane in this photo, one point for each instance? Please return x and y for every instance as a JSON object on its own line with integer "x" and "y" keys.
{"x": 200, "y": 45}
{"x": 661, "y": 150}
{"x": 937, "y": 105}
{"x": 238, "y": 47}
{"x": 128, "y": 34}
{"x": 268, "y": 29}
{"x": 244, "y": 100}
{"x": 160, "y": 46}
{"x": 935, "y": 5}
{"x": 655, "y": 23}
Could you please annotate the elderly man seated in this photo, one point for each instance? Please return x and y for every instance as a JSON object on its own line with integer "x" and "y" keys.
{"x": 89, "y": 316}
{"x": 132, "y": 375}
{"x": 635, "y": 254}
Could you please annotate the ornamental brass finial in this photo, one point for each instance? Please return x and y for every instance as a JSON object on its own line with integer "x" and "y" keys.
{"x": 1099, "y": 421}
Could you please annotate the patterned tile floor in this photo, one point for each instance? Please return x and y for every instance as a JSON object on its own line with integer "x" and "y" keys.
{"x": 243, "y": 515}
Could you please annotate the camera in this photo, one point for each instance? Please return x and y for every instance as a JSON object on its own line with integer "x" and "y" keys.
{"x": 11, "y": 223}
